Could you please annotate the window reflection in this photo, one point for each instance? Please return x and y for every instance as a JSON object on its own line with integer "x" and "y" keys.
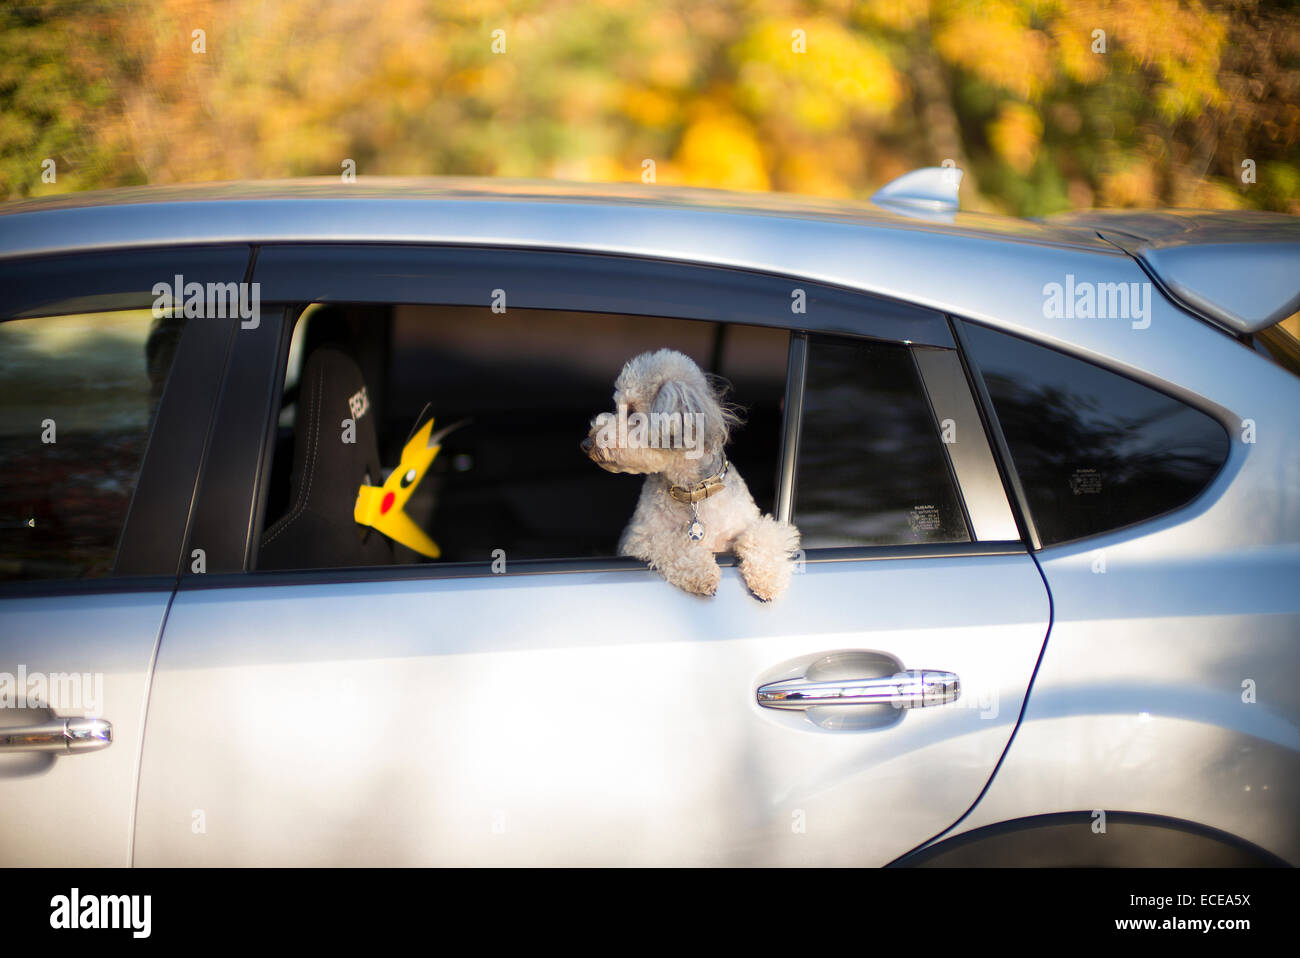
{"x": 1095, "y": 451}
{"x": 871, "y": 468}
{"x": 77, "y": 397}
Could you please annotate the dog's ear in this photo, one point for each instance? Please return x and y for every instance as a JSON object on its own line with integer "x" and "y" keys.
{"x": 701, "y": 405}
{"x": 675, "y": 396}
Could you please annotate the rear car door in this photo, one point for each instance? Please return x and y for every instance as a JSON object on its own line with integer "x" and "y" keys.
{"x": 578, "y": 710}
{"x": 105, "y": 404}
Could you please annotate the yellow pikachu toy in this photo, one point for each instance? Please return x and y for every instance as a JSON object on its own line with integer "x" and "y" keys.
{"x": 384, "y": 507}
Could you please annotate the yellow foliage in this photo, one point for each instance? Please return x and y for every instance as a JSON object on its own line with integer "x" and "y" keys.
{"x": 1072, "y": 33}
{"x": 1132, "y": 186}
{"x": 671, "y": 60}
{"x": 1209, "y": 195}
{"x": 995, "y": 42}
{"x": 802, "y": 95}
{"x": 893, "y": 14}
{"x": 841, "y": 75}
{"x": 593, "y": 169}
{"x": 1016, "y": 135}
{"x": 649, "y": 108}
{"x": 720, "y": 150}
{"x": 1180, "y": 41}
{"x": 827, "y": 171}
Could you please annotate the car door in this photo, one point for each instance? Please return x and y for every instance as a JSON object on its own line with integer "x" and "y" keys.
{"x": 581, "y": 711}
{"x": 105, "y": 407}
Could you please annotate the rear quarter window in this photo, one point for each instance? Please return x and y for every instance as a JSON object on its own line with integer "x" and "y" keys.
{"x": 1095, "y": 451}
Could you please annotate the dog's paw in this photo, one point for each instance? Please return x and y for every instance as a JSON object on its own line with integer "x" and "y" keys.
{"x": 705, "y": 582}
{"x": 766, "y": 583}
{"x": 697, "y": 579}
{"x": 765, "y": 549}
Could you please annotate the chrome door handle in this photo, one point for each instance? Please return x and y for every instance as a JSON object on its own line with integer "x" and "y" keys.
{"x": 915, "y": 688}
{"x": 64, "y": 735}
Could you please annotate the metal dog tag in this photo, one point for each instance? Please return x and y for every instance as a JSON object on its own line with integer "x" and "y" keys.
{"x": 695, "y": 531}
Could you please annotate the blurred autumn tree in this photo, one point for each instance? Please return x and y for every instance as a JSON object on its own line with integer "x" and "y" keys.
{"x": 1048, "y": 104}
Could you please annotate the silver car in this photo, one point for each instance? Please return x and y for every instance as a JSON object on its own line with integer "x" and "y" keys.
{"x": 1047, "y": 475}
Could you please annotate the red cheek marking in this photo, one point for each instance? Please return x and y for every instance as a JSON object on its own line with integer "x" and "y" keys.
{"x": 387, "y": 503}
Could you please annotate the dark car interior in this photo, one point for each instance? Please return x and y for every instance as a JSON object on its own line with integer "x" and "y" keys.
{"x": 524, "y": 386}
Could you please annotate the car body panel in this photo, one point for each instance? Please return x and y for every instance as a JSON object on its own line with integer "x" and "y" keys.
{"x": 1166, "y": 688}
{"x": 572, "y": 719}
{"x": 1141, "y": 702}
{"x": 78, "y": 810}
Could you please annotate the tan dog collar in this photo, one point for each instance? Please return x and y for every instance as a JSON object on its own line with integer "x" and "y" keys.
{"x": 702, "y": 489}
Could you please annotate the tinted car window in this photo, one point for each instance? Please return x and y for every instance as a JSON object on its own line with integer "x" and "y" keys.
{"x": 77, "y": 400}
{"x": 871, "y": 466}
{"x": 1095, "y": 451}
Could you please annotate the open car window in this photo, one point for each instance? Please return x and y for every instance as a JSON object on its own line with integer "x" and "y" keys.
{"x": 520, "y": 388}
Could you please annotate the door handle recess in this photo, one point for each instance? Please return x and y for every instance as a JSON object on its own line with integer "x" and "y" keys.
{"x": 915, "y": 688}
{"x": 62, "y": 735}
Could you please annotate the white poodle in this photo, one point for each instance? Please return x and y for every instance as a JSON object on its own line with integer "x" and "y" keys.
{"x": 672, "y": 426}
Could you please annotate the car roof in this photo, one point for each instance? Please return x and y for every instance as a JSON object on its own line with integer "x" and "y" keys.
{"x": 308, "y": 192}
{"x": 1237, "y": 270}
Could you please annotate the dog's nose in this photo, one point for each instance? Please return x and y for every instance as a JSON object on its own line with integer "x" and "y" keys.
{"x": 585, "y": 445}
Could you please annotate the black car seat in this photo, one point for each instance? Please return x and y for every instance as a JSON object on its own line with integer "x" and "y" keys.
{"x": 318, "y": 530}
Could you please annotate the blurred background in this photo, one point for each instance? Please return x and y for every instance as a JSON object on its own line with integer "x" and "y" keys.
{"x": 1047, "y": 105}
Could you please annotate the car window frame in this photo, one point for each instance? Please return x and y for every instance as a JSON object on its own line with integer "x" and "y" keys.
{"x": 149, "y": 552}
{"x": 970, "y": 465}
{"x": 233, "y": 489}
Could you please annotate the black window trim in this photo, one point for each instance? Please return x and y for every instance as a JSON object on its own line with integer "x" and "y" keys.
{"x": 110, "y": 280}
{"x": 150, "y": 550}
{"x": 230, "y": 509}
{"x": 583, "y": 282}
{"x": 232, "y": 484}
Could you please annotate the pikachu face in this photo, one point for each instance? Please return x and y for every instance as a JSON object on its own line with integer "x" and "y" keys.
{"x": 384, "y": 507}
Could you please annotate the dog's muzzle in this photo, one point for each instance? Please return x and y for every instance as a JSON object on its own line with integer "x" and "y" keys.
{"x": 598, "y": 454}
{"x": 592, "y": 450}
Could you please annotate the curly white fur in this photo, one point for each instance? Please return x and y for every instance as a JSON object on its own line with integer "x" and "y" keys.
{"x": 668, "y": 382}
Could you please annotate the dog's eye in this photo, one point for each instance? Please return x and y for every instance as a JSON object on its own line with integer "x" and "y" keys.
{"x": 408, "y": 478}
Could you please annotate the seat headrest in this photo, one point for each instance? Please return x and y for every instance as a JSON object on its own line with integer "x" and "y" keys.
{"x": 319, "y": 531}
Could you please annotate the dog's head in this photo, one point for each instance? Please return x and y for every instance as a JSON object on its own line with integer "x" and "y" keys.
{"x": 668, "y": 417}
